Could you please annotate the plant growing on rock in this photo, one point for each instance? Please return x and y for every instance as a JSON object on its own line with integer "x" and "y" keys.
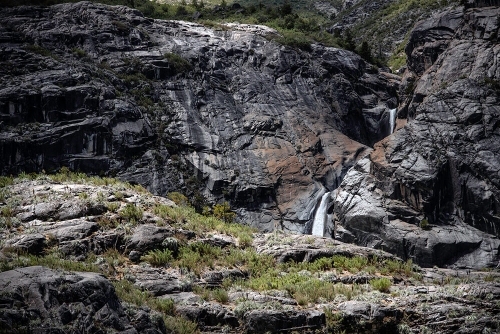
{"x": 131, "y": 213}
{"x": 381, "y": 284}
{"x": 158, "y": 258}
{"x": 179, "y": 64}
{"x": 424, "y": 224}
{"x": 223, "y": 212}
{"x": 220, "y": 295}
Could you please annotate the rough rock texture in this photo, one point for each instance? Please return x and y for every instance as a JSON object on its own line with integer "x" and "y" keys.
{"x": 41, "y": 300}
{"x": 264, "y": 126}
{"x": 264, "y": 321}
{"x": 226, "y": 294}
{"x": 430, "y": 191}
{"x": 384, "y": 24}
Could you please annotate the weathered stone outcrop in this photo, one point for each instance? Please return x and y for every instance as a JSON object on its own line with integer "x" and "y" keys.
{"x": 38, "y": 299}
{"x": 430, "y": 191}
{"x": 176, "y": 105}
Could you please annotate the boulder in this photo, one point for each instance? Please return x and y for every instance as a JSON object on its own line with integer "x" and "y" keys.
{"x": 38, "y": 299}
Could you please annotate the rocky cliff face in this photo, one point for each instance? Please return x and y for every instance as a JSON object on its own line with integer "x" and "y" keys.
{"x": 430, "y": 191}
{"x": 175, "y": 105}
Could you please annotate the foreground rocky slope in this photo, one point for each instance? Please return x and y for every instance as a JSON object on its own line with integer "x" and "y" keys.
{"x": 96, "y": 255}
{"x": 174, "y": 105}
{"x": 430, "y": 191}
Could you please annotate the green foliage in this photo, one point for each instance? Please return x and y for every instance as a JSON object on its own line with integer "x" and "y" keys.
{"x": 53, "y": 260}
{"x": 83, "y": 195}
{"x": 130, "y": 293}
{"x": 122, "y": 27}
{"x": 197, "y": 256}
{"x": 353, "y": 264}
{"x": 187, "y": 217}
{"x": 178, "y": 198}
{"x": 424, "y": 224}
{"x": 365, "y": 51}
{"x": 131, "y": 213}
{"x": 245, "y": 240}
{"x": 180, "y": 325}
{"x": 220, "y": 295}
{"x": 179, "y": 64}
{"x": 158, "y": 258}
{"x": 6, "y": 181}
{"x": 296, "y": 40}
{"x": 79, "y": 53}
{"x": 37, "y": 49}
{"x": 223, "y": 212}
{"x": 381, "y": 284}
{"x": 113, "y": 206}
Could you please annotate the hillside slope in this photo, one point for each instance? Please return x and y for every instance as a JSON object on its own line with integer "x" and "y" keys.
{"x": 99, "y": 255}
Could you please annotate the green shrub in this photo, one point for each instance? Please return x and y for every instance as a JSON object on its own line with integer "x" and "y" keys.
{"x": 83, "y": 195}
{"x": 6, "y": 181}
{"x": 158, "y": 258}
{"x": 52, "y": 260}
{"x": 179, "y": 325}
{"x": 79, "y": 53}
{"x": 178, "y": 63}
{"x": 178, "y": 198}
{"x": 131, "y": 213}
{"x": 128, "y": 292}
{"x": 245, "y": 240}
{"x": 223, "y": 212}
{"x": 424, "y": 224}
{"x": 220, "y": 295}
{"x": 381, "y": 284}
{"x": 113, "y": 206}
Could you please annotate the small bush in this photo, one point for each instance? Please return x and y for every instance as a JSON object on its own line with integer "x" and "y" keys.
{"x": 112, "y": 206}
{"x": 178, "y": 198}
{"x": 79, "y": 53}
{"x": 131, "y": 294}
{"x": 83, "y": 195}
{"x": 179, "y": 64}
{"x": 180, "y": 325}
{"x": 6, "y": 181}
{"x": 424, "y": 224}
{"x": 131, "y": 213}
{"x": 381, "y": 284}
{"x": 220, "y": 295}
{"x": 223, "y": 212}
{"x": 245, "y": 240}
{"x": 158, "y": 258}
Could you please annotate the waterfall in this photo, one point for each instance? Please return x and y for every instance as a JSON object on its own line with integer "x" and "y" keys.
{"x": 392, "y": 120}
{"x": 318, "y": 227}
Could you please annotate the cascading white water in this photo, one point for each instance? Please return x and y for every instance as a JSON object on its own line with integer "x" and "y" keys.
{"x": 392, "y": 120}
{"x": 318, "y": 227}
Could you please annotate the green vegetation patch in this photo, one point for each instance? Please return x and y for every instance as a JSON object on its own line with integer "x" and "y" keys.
{"x": 179, "y": 64}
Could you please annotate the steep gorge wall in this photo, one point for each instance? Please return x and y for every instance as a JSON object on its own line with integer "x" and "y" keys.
{"x": 430, "y": 191}
{"x": 102, "y": 90}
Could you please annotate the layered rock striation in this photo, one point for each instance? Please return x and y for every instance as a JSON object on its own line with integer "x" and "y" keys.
{"x": 225, "y": 113}
{"x": 430, "y": 191}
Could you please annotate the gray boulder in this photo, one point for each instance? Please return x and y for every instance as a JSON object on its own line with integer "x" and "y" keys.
{"x": 38, "y": 299}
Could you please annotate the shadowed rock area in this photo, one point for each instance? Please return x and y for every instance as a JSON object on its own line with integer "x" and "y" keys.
{"x": 430, "y": 191}
{"x": 227, "y": 114}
